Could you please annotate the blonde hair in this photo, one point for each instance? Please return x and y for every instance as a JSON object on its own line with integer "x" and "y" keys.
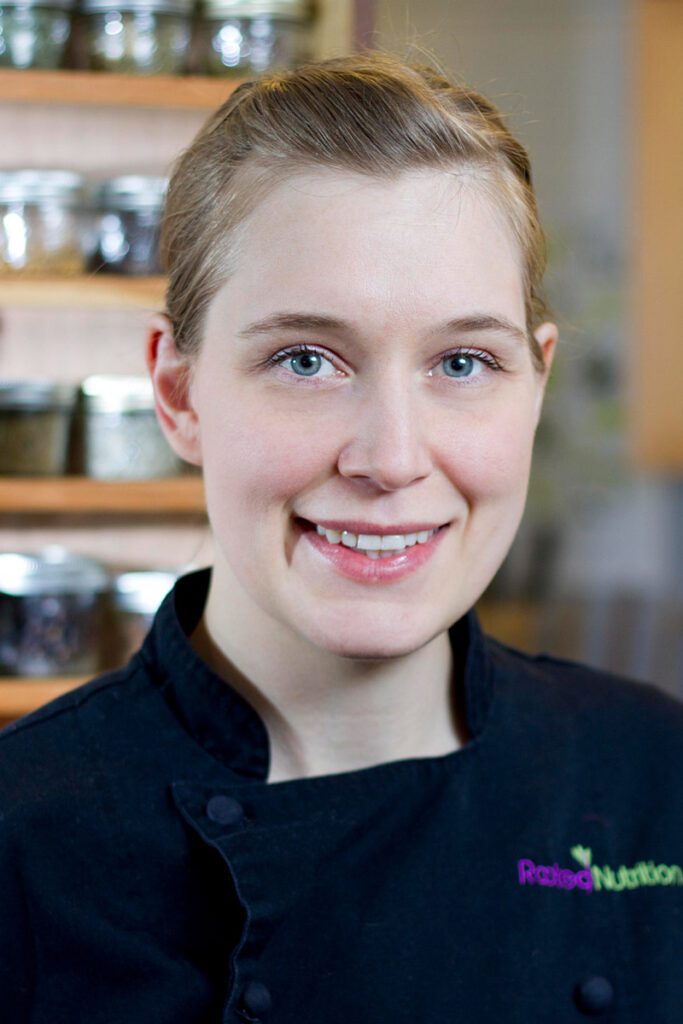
{"x": 369, "y": 113}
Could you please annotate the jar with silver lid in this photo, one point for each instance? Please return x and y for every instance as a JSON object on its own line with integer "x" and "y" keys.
{"x": 34, "y": 33}
{"x": 128, "y": 215}
{"x": 145, "y": 37}
{"x": 51, "y": 612}
{"x": 243, "y": 37}
{"x": 136, "y": 596}
{"x": 35, "y": 416}
{"x": 120, "y": 438}
{"x": 41, "y": 222}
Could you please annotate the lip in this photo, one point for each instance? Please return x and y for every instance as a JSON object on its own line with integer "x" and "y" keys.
{"x": 362, "y": 526}
{"x": 358, "y": 567}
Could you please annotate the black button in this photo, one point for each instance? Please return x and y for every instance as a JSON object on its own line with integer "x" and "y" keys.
{"x": 224, "y": 810}
{"x": 255, "y": 1001}
{"x": 594, "y": 995}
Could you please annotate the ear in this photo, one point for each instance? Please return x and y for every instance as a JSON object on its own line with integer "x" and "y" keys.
{"x": 172, "y": 379}
{"x": 547, "y": 336}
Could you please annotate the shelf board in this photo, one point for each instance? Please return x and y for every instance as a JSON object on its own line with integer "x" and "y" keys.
{"x": 20, "y": 696}
{"x": 104, "y": 89}
{"x": 81, "y": 495}
{"x": 100, "y": 291}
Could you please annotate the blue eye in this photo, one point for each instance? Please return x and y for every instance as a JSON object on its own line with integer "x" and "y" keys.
{"x": 459, "y": 365}
{"x": 304, "y": 362}
{"x": 469, "y": 364}
{"x": 309, "y": 362}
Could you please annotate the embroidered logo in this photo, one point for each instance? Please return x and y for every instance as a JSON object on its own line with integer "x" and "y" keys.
{"x": 595, "y": 879}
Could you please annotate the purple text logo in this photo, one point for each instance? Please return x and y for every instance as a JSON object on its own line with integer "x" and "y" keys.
{"x": 553, "y": 875}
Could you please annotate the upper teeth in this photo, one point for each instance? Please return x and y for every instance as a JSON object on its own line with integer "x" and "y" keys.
{"x": 375, "y": 541}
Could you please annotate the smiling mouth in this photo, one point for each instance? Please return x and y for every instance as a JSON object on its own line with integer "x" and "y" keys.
{"x": 374, "y": 546}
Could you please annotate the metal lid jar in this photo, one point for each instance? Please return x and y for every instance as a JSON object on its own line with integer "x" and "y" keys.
{"x": 136, "y": 596}
{"x": 141, "y": 591}
{"x": 242, "y": 37}
{"x": 120, "y": 437}
{"x": 54, "y": 570}
{"x": 51, "y": 608}
{"x": 128, "y": 217}
{"x": 35, "y": 416}
{"x": 139, "y": 36}
{"x": 34, "y": 33}
{"x": 41, "y": 222}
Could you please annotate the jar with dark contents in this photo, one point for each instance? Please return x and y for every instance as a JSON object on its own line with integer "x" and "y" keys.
{"x": 41, "y": 222}
{"x": 145, "y": 37}
{"x": 34, "y": 34}
{"x": 127, "y": 216}
{"x": 35, "y": 418}
{"x": 243, "y": 37}
{"x": 51, "y": 613}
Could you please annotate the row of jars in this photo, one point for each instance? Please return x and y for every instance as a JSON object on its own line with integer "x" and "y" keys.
{"x": 218, "y": 37}
{"x": 105, "y": 428}
{"x": 55, "y": 222}
{"x": 64, "y": 614}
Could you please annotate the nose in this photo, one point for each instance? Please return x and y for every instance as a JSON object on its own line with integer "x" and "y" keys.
{"x": 388, "y": 443}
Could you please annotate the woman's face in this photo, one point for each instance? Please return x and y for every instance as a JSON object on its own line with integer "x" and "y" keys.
{"x": 398, "y": 416}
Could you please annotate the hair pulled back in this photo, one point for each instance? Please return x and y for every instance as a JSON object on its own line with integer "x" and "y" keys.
{"x": 369, "y": 113}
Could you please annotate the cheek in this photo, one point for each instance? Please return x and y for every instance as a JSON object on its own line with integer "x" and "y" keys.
{"x": 489, "y": 455}
{"x": 254, "y": 460}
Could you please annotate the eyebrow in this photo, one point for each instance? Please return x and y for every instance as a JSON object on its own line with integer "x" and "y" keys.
{"x": 472, "y": 323}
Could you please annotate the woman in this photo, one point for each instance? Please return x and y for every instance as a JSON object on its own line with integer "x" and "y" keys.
{"x": 318, "y": 793}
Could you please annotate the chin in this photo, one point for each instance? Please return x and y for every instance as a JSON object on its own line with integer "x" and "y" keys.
{"x": 371, "y": 643}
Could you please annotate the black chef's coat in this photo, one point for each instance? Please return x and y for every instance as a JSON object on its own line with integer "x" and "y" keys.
{"x": 150, "y": 875}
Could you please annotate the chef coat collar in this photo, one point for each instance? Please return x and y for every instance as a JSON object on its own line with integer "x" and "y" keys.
{"x": 222, "y": 721}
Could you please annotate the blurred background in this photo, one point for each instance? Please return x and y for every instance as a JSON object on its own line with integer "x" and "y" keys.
{"x": 594, "y": 89}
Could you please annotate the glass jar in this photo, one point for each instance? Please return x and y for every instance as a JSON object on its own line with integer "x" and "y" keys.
{"x": 145, "y": 37}
{"x": 128, "y": 216}
{"x": 34, "y": 34}
{"x": 52, "y": 607}
{"x": 119, "y": 436}
{"x": 35, "y": 416}
{"x": 243, "y": 37}
{"x": 136, "y": 597}
{"x": 41, "y": 222}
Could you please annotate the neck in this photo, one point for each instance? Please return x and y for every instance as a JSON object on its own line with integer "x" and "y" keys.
{"x": 326, "y": 714}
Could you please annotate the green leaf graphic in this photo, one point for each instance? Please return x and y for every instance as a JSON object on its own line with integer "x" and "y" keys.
{"x": 583, "y": 854}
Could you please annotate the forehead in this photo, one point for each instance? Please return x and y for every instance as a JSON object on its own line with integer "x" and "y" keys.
{"x": 406, "y": 244}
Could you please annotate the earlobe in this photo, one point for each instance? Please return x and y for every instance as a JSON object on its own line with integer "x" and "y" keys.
{"x": 170, "y": 372}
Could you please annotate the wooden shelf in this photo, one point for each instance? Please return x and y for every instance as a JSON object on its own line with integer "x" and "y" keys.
{"x": 81, "y": 495}
{"x": 103, "y": 89}
{"x": 87, "y": 291}
{"x": 20, "y": 696}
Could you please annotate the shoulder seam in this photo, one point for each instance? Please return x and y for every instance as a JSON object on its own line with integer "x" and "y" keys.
{"x": 543, "y": 657}
{"x": 547, "y": 662}
{"x": 118, "y": 676}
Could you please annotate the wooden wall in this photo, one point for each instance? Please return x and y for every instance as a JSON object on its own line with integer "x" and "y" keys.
{"x": 656, "y": 292}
